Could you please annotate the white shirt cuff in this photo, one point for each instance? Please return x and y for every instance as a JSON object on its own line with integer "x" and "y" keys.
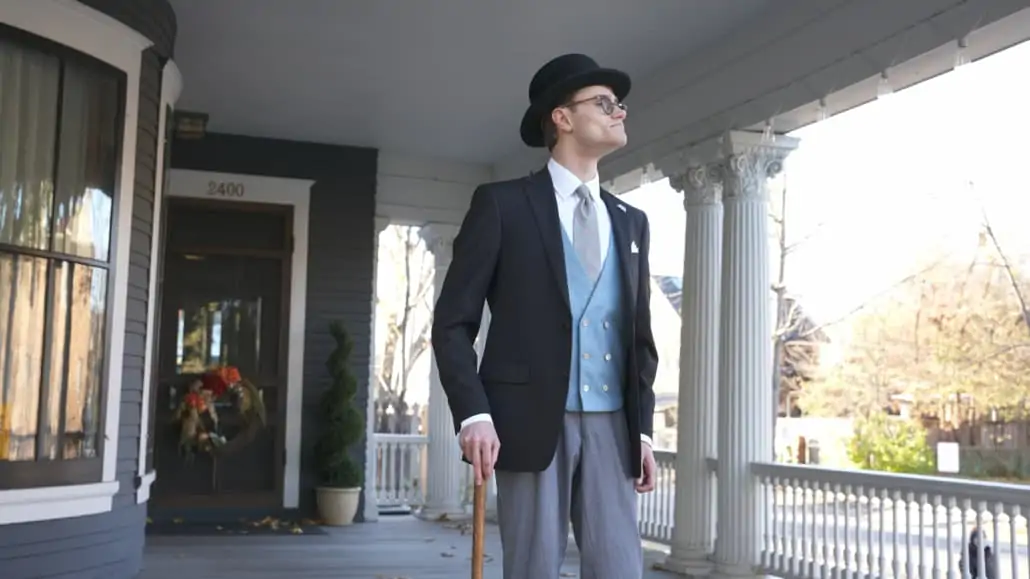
{"x": 475, "y": 418}
{"x": 647, "y": 439}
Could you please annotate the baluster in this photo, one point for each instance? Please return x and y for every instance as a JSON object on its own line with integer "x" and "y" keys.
{"x": 949, "y": 562}
{"x": 963, "y": 537}
{"x": 848, "y": 568}
{"x": 870, "y": 555}
{"x": 1014, "y": 514}
{"x": 996, "y": 532}
{"x": 825, "y": 572}
{"x": 768, "y": 540}
{"x": 981, "y": 544}
{"x": 896, "y": 527}
{"x": 782, "y": 549}
{"x": 910, "y": 556}
{"x": 795, "y": 564}
{"x": 921, "y": 521}
{"x": 935, "y": 514}
{"x": 881, "y": 547}
{"x": 803, "y": 537}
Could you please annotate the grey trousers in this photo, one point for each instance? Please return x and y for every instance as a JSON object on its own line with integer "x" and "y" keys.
{"x": 587, "y": 482}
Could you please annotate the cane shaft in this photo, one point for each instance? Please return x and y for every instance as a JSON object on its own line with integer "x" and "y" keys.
{"x": 478, "y": 530}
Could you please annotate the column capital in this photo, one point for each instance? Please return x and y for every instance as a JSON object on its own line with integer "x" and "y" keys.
{"x": 750, "y": 160}
{"x": 439, "y": 238}
{"x": 701, "y": 184}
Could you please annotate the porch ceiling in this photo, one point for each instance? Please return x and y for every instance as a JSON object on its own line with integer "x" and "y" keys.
{"x": 439, "y": 79}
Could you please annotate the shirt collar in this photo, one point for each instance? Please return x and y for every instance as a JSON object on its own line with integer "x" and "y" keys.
{"x": 565, "y": 182}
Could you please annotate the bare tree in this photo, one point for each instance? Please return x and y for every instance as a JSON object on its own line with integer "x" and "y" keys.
{"x": 795, "y": 338}
{"x": 409, "y": 322}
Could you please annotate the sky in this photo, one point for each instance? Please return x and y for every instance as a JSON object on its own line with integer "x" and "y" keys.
{"x": 876, "y": 193}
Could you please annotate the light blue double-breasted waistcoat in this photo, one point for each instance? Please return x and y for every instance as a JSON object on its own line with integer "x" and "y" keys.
{"x": 598, "y": 358}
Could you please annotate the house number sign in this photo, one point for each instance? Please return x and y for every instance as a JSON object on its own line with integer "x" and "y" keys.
{"x": 225, "y": 189}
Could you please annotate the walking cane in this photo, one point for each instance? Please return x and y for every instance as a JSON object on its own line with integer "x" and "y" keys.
{"x": 478, "y": 530}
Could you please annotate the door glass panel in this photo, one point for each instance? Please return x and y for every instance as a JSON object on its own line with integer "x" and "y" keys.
{"x": 223, "y": 332}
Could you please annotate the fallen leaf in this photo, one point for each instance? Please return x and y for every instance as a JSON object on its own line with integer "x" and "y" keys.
{"x": 297, "y": 530}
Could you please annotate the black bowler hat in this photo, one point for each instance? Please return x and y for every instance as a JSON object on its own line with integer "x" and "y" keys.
{"x": 558, "y": 79}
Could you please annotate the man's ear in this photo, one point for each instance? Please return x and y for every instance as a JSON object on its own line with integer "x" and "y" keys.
{"x": 561, "y": 119}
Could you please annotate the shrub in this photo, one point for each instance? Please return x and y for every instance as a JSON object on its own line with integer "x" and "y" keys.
{"x": 889, "y": 444}
{"x": 343, "y": 424}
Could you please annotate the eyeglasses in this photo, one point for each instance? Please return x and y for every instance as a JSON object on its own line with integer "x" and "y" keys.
{"x": 607, "y": 104}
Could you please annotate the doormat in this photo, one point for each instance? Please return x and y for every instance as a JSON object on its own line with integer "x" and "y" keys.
{"x": 239, "y": 528}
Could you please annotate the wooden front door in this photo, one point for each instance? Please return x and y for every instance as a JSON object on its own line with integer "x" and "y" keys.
{"x": 224, "y": 302}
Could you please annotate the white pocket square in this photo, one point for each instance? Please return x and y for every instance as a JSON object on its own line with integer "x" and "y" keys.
{"x": 633, "y": 247}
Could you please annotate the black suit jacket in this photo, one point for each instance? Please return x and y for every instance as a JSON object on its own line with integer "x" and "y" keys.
{"x": 509, "y": 253}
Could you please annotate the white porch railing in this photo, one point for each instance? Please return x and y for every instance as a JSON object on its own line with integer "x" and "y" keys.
{"x": 819, "y": 523}
{"x": 400, "y": 470}
{"x": 656, "y": 508}
{"x": 829, "y": 523}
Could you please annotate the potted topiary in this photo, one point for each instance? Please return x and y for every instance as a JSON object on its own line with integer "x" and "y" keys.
{"x": 343, "y": 426}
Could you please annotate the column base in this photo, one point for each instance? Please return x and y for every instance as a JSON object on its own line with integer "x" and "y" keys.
{"x": 736, "y": 572}
{"x": 690, "y": 565}
{"x": 430, "y": 513}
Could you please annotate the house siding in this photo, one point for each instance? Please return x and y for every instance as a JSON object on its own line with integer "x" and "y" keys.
{"x": 341, "y": 256}
{"x": 110, "y": 545}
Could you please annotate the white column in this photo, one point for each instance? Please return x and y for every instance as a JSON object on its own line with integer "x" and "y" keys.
{"x": 371, "y": 511}
{"x": 694, "y": 517}
{"x": 443, "y": 484}
{"x": 745, "y": 398}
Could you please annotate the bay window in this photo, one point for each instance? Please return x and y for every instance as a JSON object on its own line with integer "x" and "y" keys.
{"x": 61, "y": 117}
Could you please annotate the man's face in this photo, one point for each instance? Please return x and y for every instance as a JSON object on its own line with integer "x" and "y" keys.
{"x": 594, "y": 118}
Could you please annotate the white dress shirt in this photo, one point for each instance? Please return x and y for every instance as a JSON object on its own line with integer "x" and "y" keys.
{"x": 565, "y": 185}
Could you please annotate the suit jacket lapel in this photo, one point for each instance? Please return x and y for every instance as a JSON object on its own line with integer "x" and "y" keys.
{"x": 540, "y": 195}
{"x": 624, "y": 239}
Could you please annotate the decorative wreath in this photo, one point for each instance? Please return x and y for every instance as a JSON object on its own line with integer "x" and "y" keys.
{"x": 198, "y": 412}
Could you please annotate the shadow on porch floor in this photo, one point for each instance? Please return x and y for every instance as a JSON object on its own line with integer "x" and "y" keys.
{"x": 393, "y": 548}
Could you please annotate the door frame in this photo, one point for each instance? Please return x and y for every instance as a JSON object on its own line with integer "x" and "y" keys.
{"x": 256, "y": 189}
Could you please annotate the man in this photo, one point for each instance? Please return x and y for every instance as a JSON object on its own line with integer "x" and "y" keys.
{"x": 562, "y": 402}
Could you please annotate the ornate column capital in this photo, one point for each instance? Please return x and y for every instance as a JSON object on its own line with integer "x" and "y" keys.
{"x": 701, "y": 184}
{"x": 439, "y": 238}
{"x": 750, "y": 161}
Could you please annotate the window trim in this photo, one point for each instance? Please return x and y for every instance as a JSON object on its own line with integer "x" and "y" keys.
{"x": 76, "y": 27}
{"x": 171, "y": 88}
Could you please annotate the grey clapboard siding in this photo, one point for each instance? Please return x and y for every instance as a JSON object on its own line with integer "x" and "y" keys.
{"x": 340, "y": 254}
{"x": 110, "y": 545}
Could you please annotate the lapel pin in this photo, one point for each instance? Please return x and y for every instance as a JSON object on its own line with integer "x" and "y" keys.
{"x": 623, "y": 207}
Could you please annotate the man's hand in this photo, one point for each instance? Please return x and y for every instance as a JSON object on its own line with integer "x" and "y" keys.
{"x": 480, "y": 445}
{"x": 645, "y": 483}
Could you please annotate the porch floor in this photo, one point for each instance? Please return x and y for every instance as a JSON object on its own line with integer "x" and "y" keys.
{"x": 400, "y": 547}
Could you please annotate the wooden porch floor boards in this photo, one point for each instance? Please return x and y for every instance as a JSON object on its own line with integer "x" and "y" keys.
{"x": 393, "y": 548}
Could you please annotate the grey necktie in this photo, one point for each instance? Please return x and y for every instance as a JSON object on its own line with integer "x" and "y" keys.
{"x": 584, "y": 233}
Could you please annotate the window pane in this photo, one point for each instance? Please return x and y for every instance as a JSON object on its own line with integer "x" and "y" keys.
{"x": 28, "y": 121}
{"x": 87, "y": 164}
{"x": 85, "y": 362}
{"x": 22, "y": 308}
{"x": 76, "y": 364}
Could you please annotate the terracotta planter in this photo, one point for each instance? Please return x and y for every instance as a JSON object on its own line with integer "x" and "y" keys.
{"x": 337, "y": 506}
